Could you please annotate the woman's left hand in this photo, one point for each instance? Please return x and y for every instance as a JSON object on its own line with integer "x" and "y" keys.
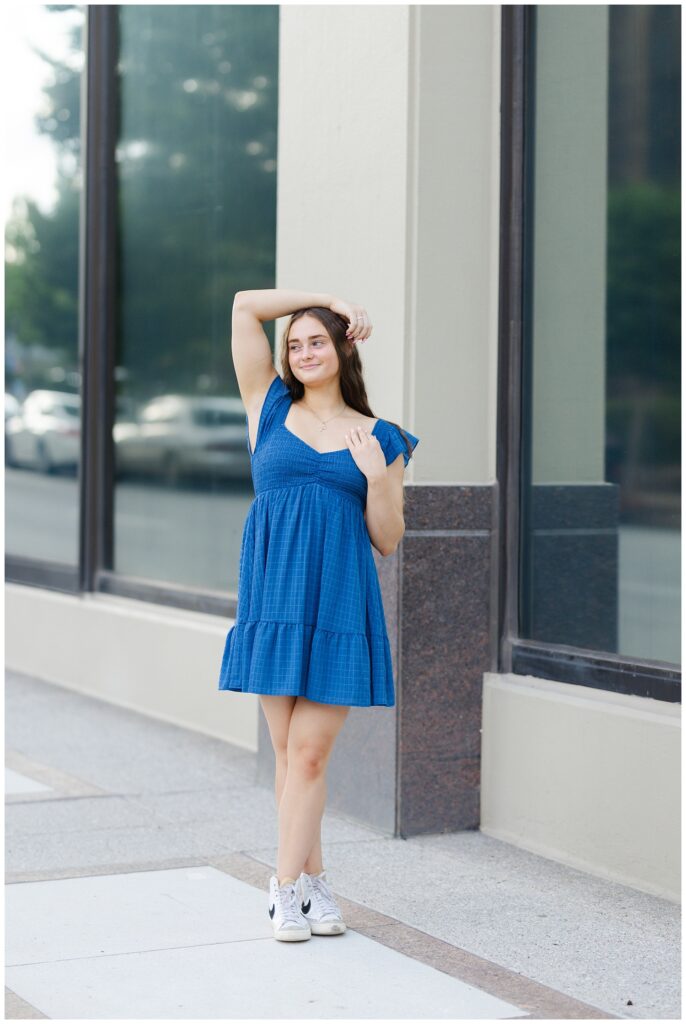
{"x": 366, "y": 451}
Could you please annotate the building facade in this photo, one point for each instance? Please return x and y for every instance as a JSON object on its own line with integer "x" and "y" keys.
{"x": 500, "y": 187}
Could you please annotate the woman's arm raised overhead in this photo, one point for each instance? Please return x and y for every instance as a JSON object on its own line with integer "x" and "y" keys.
{"x": 250, "y": 349}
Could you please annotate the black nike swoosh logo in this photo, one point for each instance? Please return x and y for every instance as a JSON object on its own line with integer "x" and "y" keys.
{"x": 306, "y": 907}
{"x": 272, "y": 910}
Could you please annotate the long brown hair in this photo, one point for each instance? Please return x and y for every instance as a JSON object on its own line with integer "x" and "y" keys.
{"x": 352, "y": 386}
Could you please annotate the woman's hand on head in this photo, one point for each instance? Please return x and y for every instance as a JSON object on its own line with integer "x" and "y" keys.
{"x": 366, "y": 451}
{"x": 360, "y": 326}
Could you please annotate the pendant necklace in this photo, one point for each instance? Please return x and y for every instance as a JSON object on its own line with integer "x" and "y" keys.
{"x": 323, "y": 422}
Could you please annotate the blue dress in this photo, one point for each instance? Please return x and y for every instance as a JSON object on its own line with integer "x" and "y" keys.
{"x": 310, "y": 619}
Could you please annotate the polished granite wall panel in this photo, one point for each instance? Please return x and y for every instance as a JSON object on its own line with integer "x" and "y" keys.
{"x": 445, "y": 647}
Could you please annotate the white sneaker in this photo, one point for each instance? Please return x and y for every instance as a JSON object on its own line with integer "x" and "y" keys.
{"x": 318, "y": 905}
{"x": 284, "y": 909}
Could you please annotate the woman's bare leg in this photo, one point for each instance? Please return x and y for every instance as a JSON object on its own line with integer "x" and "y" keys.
{"x": 311, "y": 735}
{"x": 313, "y": 865}
{"x": 278, "y": 711}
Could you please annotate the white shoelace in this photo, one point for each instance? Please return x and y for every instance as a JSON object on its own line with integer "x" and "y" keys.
{"x": 324, "y": 896}
{"x": 288, "y": 903}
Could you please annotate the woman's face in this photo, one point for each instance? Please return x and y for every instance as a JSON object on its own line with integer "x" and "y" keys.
{"x": 311, "y": 352}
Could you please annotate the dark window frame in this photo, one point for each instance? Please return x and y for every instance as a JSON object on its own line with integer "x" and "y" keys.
{"x": 517, "y": 655}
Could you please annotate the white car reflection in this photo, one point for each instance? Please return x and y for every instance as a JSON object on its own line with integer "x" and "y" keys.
{"x": 44, "y": 431}
{"x": 170, "y": 436}
{"x": 12, "y": 405}
{"x": 178, "y": 435}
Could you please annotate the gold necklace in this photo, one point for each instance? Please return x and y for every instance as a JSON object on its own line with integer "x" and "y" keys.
{"x": 323, "y": 422}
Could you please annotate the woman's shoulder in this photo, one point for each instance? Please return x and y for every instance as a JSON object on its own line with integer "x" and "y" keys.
{"x": 357, "y": 418}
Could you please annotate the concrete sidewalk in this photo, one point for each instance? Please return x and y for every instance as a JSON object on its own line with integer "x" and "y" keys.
{"x": 138, "y": 856}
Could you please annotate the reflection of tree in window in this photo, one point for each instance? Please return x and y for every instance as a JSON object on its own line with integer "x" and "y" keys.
{"x": 643, "y": 263}
{"x": 41, "y": 269}
{"x": 196, "y": 159}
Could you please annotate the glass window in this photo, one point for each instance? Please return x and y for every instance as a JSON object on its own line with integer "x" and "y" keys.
{"x": 44, "y": 61}
{"x": 600, "y": 542}
{"x": 196, "y": 165}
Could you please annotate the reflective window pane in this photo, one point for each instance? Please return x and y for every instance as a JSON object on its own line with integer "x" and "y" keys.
{"x": 44, "y": 61}
{"x": 601, "y": 455}
{"x": 196, "y": 161}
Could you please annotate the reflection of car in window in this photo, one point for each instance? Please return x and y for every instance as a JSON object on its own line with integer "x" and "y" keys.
{"x": 44, "y": 431}
{"x": 180, "y": 435}
{"x": 12, "y": 405}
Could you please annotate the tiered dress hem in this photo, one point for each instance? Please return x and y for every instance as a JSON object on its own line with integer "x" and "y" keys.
{"x": 299, "y": 659}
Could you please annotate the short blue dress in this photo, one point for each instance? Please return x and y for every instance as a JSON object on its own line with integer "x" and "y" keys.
{"x": 310, "y": 619}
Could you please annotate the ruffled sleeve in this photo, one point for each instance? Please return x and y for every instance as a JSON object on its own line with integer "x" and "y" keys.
{"x": 276, "y": 393}
{"x": 393, "y": 442}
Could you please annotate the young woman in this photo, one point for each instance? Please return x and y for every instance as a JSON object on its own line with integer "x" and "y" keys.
{"x": 310, "y": 634}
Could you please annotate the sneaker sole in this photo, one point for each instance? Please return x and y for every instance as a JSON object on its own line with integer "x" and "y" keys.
{"x": 292, "y": 934}
{"x": 328, "y": 928}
